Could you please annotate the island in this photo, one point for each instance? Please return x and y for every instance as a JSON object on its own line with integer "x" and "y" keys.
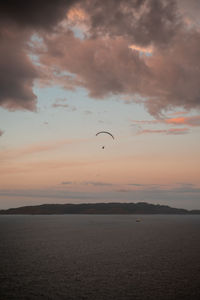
{"x": 97, "y": 208}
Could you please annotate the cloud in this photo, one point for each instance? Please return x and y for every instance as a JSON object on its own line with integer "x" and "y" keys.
{"x": 177, "y": 113}
{"x": 34, "y": 14}
{"x": 45, "y": 166}
{"x": 180, "y": 120}
{"x": 93, "y": 183}
{"x": 98, "y": 183}
{"x": 186, "y": 188}
{"x": 49, "y": 193}
{"x": 122, "y": 191}
{"x": 17, "y": 73}
{"x": 148, "y": 122}
{"x": 142, "y": 186}
{"x": 59, "y": 105}
{"x": 1, "y": 132}
{"x": 102, "y": 67}
{"x": 136, "y": 184}
{"x": 102, "y": 61}
{"x": 36, "y": 148}
{"x": 176, "y": 196}
{"x": 190, "y": 121}
{"x": 60, "y": 102}
{"x": 142, "y": 22}
{"x": 172, "y": 131}
{"x": 19, "y": 21}
{"x": 88, "y": 112}
{"x": 179, "y": 188}
{"x": 175, "y": 74}
{"x": 190, "y": 11}
{"x": 167, "y": 79}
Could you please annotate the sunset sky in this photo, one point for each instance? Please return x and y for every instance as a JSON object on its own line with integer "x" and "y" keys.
{"x": 69, "y": 69}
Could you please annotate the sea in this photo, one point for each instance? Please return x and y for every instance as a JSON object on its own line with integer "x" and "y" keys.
{"x": 100, "y": 257}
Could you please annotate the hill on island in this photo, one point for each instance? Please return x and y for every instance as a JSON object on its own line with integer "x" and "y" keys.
{"x": 97, "y": 208}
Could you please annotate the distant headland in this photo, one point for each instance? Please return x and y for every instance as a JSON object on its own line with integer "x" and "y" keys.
{"x": 97, "y": 208}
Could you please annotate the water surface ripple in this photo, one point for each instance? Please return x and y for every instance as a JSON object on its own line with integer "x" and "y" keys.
{"x": 100, "y": 257}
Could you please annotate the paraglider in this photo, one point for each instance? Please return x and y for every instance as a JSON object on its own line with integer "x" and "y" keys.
{"x": 105, "y": 132}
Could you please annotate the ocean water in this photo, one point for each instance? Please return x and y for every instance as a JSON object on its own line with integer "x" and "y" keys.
{"x": 100, "y": 257}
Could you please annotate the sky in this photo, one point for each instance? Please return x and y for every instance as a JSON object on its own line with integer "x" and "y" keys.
{"x": 69, "y": 69}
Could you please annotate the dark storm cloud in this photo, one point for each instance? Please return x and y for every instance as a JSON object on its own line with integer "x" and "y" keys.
{"x": 18, "y": 21}
{"x": 17, "y": 72}
{"x": 140, "y": 21}
{"x": 36, "y": 14}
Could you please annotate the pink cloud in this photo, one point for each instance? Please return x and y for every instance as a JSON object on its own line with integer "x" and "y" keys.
{"x": 177, "y": 113}
{"x": 172, "y": 131}
{"x": 43, "y": 166}
{"x": 102, "y": 67}
{"x": 36, "y": 148}
{"x": 142, "y": 122}
{"x": 167, "y": 79}
{"x": 190, "y": 121}
{"x": 59, "y": 105}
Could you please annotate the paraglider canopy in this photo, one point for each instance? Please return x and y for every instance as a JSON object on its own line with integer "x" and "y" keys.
{"x": 106, "y": 133}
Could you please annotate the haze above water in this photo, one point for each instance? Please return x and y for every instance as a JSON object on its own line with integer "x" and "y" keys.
{"x": 99, "y": 257}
